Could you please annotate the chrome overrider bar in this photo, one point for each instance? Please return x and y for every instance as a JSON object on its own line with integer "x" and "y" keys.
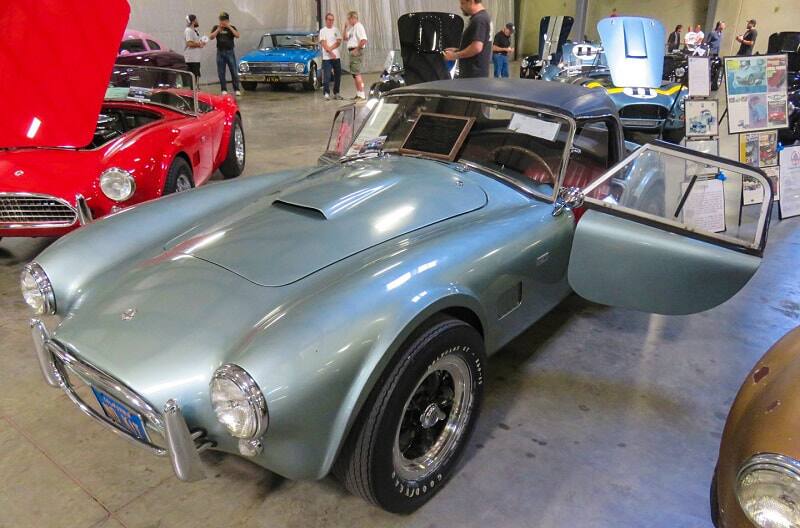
{"x": 183, "y": 446}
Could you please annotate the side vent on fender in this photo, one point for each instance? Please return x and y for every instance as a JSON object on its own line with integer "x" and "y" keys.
{"x": 509, "y": 300}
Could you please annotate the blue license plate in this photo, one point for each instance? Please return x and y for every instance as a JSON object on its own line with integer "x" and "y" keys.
{"x": 121, "y": 415}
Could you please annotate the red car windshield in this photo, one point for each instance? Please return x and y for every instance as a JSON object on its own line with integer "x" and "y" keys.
{"x": 160, "y": 86}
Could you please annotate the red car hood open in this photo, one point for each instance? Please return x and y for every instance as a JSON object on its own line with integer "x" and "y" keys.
{"x": 55, "y": 103}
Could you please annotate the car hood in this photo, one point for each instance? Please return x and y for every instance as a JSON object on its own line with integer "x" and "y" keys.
{"x": 634, "y": 49}
{"x": 44, "y": 113}
{"x": 332, "y": 214}
{"x": 58, "y": 172}
{"x": 279, "y": 55}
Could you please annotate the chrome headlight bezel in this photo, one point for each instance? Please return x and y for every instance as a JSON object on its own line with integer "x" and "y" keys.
{"x": 109, "y": 180}
{"x": 783, "y": 466}
{"x": 524, "y": 63}
{"x": 44, "y": 288}
{"x": 250, "y": 394}
{"x": 299, "y": 67}
{"x": 244, "y": 67}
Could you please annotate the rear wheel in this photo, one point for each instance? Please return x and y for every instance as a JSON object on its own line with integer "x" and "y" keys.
{"x": 179, "y": 177}
{"x": 233, "y": 165}
{"x": 249, "y": 86}
{"x": 313, "y": 79}
{"x": 418, "y": 420}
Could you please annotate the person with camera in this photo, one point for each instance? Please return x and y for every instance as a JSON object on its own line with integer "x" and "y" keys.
{"x": 225, "y": 33}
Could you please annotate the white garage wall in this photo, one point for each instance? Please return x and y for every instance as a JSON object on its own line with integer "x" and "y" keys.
{"x": 165, "y": 20}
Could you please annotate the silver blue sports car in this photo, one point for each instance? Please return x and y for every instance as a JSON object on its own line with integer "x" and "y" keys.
{"x": 339, "y": 318}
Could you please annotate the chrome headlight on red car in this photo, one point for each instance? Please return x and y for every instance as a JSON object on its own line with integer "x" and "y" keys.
{"x": 117, "y": 184}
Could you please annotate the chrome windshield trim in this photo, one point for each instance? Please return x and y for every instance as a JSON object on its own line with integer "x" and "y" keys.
{"x": 528, "y": 108}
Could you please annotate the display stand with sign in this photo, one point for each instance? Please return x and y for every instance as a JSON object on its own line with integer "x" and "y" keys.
{"x": 789, "y": 182}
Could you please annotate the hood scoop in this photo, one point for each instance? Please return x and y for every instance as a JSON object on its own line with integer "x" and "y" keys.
{"x": 329, "y": 216}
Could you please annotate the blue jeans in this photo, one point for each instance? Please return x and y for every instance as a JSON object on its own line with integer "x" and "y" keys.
{"x": 227, "y": 58}
{"x": 331, "y": 67}
{"x": 500, "y": 65}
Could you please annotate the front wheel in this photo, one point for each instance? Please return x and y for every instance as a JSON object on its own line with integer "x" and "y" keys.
{"x": 418, "y": 420}
{"x": 233, "y": 165}
{"x": 249, "y": 86}
{"x": 179, "y": 177}
{"x": 312, "y": 84}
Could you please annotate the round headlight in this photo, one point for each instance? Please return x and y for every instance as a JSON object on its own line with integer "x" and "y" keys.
{"x": 244, "y": 67}
{"x": 524, "y": 63}
{"x": 117, "y": 184}
{"x": 299, "y": 67}
{"x": 37, "y": 290}
{"x": 680, "y": 72}
{"x": 238, "y": 402}
{"x": 768, "y": 490}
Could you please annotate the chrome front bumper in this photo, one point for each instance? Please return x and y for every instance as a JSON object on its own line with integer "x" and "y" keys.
{"x": 183, "y": 447}
{"x": 282, "y": 77}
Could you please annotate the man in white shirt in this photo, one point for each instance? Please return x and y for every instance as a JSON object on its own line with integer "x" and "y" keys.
{"x": 356, "y": 37}
{"x": 331, "y": 41}
{"x": 194, "y": 44}
{"x": 699, "y": 36}
{"x": 690, "y": 39}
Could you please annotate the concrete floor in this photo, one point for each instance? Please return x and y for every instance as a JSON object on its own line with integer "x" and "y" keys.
{"x": 594, "y": 417}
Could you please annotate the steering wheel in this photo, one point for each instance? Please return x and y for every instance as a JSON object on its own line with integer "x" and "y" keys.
{"x": 526, "y": 153}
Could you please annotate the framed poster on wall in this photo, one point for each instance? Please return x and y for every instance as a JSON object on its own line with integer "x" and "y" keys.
{"x": 756, "y": 88}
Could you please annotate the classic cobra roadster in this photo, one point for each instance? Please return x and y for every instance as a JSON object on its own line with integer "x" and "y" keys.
{"x": 154, "y": 135}
{"x": 756, "y": 482}
{"x": 339, "y": 318}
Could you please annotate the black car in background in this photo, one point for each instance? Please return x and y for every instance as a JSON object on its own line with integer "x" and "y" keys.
{"x": 788, "y": 42}
{"x": 676, "y": 66}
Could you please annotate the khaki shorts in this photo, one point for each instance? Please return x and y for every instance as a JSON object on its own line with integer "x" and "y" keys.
{"x": 356, "y": 62}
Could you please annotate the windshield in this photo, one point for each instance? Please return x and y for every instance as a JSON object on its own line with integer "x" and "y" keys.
{"x": 523, "y": 145}
{"x": 287, "y": 40}
{"x": 171, "y": 88}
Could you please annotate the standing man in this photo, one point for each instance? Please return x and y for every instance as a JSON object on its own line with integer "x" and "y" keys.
{"x": 194, "y": 44}
{"x": 225, "y": 33}
{"x": 501, "y": 47}
{"x": 690, "y": 39}
{"x": 714, "y": 39}
{"x": 674, "y": 39}
{"x": 476, "y": 43}
{"x": 356, "y": 37}
{"x": 699, "y": 36}
{"x": 331, "y": 41}
{"x": 748, "y": 40}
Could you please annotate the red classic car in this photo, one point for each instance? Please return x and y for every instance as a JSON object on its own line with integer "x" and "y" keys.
{"x": 140, "y": 49}
{"x": 69, "y": 154}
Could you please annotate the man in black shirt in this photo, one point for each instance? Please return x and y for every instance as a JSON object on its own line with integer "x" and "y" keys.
{"x": 501, "y": 47}
{"x": 225, "y": 33}
{"x": 476, "y": 43}
{"x": 748, "y": 40}
{"x": 674, "y": 39}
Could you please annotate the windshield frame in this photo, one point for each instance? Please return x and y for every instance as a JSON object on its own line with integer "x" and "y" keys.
{"x": 273, "y": 42}
{"x": 195, "y": 101}
{"x": 505, "y": 178}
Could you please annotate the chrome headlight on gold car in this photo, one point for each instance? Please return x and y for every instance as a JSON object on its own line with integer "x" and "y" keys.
{"x": 238, "y": 402}
{"x": 768, "y": 490}
{"x": 117, "y": 184}
{"x": 37, "y": 290}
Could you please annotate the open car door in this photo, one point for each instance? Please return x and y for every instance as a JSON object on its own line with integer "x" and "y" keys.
{"x": 668, "y": 231}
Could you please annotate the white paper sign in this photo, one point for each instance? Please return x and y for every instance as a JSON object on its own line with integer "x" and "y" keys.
{"x": 534, "y": 127}
{"x": 699, "y": 77}
{"x": 790, "y": 181}
{"x": 374, "y": 127}
{"x": 705, "y": 206}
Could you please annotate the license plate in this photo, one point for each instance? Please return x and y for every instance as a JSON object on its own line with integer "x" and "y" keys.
{"x": 121, "y": 415}
{"x": 273, "y": 79}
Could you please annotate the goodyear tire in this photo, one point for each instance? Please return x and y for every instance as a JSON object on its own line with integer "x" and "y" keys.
{"x": 179, "y": 177}
{"x": 419, "y": 418}
{"x": 714, "y": 500}
{"x": 234, "y": 162}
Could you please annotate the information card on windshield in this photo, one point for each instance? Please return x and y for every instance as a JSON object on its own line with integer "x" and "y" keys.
{"x": 437, "y": 136}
